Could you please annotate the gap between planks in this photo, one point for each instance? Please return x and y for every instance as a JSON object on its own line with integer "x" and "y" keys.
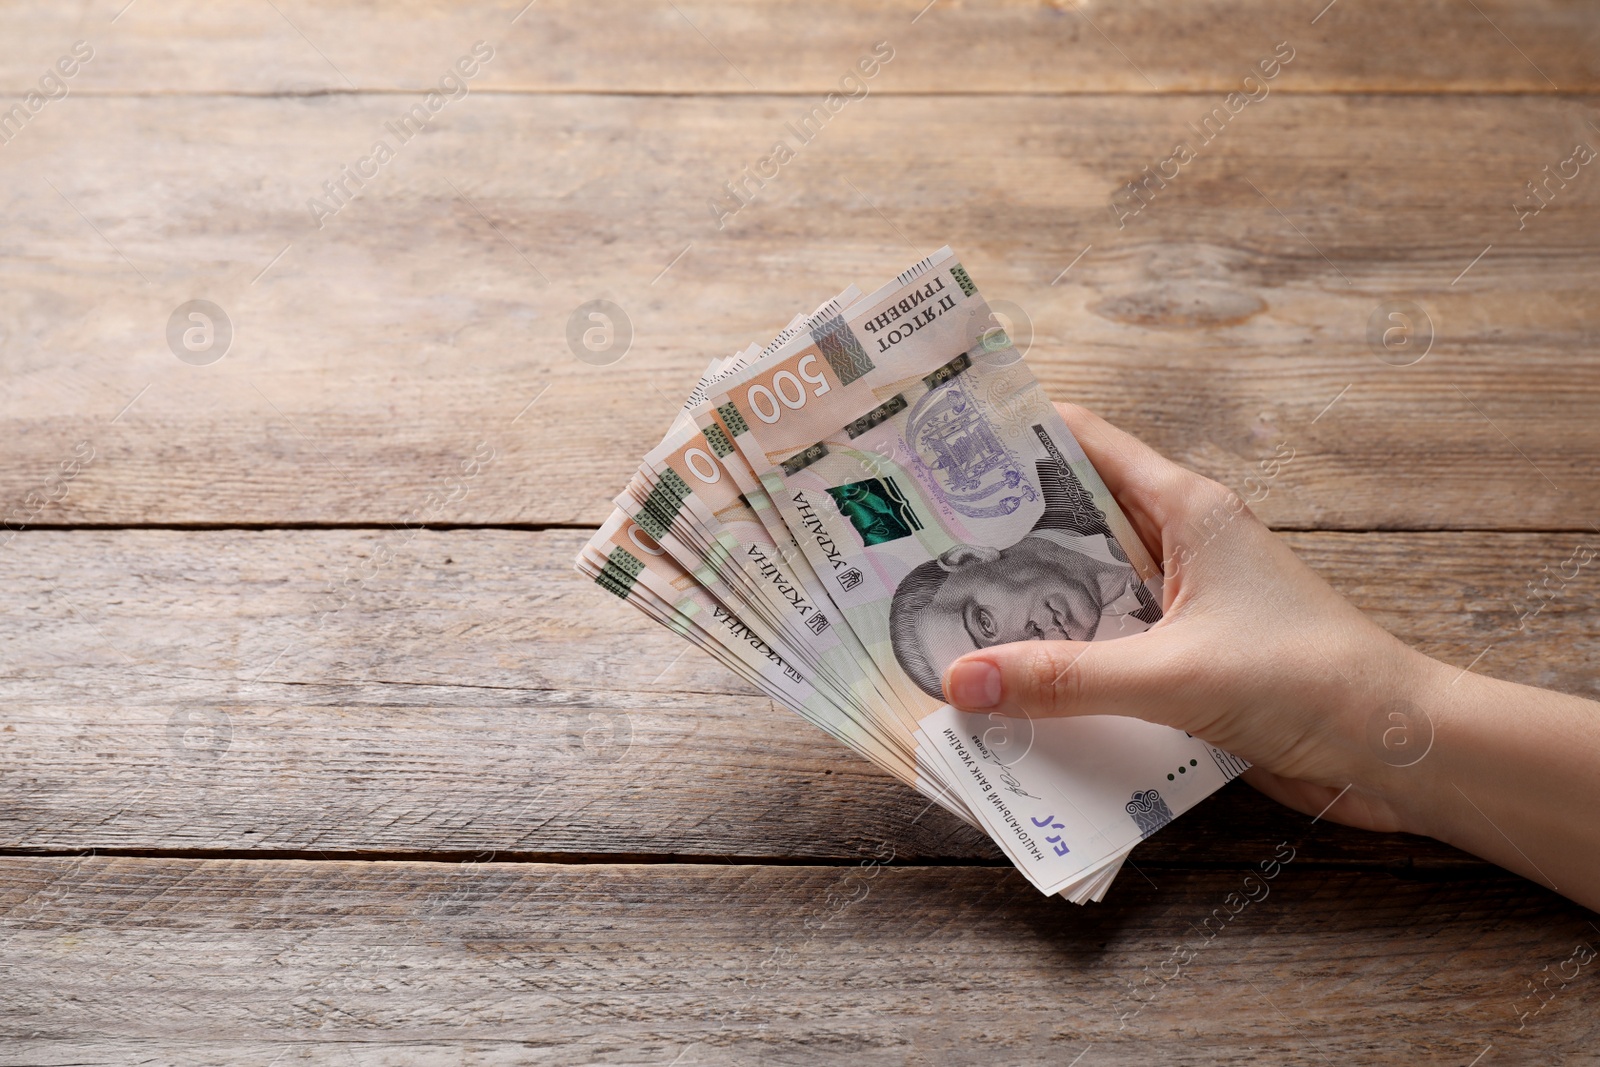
{"x": 1463, "y": 866}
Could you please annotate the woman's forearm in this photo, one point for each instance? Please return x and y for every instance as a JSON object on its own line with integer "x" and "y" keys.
{"x": 1512, "y": 775}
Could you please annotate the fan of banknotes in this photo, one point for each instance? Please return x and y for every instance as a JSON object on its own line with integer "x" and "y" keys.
{"x": 884, "y": 487}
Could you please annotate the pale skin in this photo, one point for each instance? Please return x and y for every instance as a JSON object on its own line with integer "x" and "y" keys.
{"x": 1258, "y": 655}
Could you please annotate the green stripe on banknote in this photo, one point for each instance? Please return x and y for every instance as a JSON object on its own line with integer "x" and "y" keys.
{"x": 649, "y": 523}
{"x": 735, "y": 421}
{"x": 663, "y": 504}
{"x": 605, "y": 581}
{"x": 960, "y": 275}
{"x": 671, "y": 483}
{"x": 718, "y": 440}
{"x": 625, "y": 562}
{"x": 618, "y": 575}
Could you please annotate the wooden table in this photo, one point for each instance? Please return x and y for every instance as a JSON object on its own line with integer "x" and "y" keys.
{"x": 316, "y": 749}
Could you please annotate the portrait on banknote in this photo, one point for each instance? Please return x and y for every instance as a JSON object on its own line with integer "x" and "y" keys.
{"x": 1062, "y": 581}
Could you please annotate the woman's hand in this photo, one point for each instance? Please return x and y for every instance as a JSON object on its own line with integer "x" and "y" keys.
{"x": 1260, "y": 657}
{"x": 1255, "y": 654}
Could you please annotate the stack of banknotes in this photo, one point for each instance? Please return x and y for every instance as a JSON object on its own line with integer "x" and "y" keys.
{"x": 841, "y": 514}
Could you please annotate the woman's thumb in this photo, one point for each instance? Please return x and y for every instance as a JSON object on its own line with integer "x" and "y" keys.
{"x": 1126, "y": 676}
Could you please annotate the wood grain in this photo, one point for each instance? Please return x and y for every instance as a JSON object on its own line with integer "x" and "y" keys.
{"x": 1144, "y": 46}
{"x": 379, "y": 790}
{"x": 201, "y": 962}
{"x": 371, "y": 357}
{"x": 357, "y": 691}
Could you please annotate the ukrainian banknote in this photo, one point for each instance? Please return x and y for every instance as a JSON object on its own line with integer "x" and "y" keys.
{"x": 958, "y": 512}
{"x": 840, "y": 514}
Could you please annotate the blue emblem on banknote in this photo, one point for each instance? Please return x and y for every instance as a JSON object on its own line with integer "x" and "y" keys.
{"x": 976, "y": 473}
{"x": 1149, "y": 812}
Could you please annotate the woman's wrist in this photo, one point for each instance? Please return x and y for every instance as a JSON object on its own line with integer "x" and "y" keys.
{"x": 1393, "y": 736}
{"x": 1459, "y": 754}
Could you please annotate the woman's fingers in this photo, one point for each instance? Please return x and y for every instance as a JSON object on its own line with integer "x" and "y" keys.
{"x": 1150, "y": 487}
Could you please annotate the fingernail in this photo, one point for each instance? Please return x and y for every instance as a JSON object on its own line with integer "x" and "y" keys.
{"x": 974, "y": 685}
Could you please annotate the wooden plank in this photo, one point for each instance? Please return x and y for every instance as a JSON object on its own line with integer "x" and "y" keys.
{"x": 372, "y": 357}
{"x": 606, "y": 45}
{"x": 468, "y": 691}
{"x": 192, "y": 962}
